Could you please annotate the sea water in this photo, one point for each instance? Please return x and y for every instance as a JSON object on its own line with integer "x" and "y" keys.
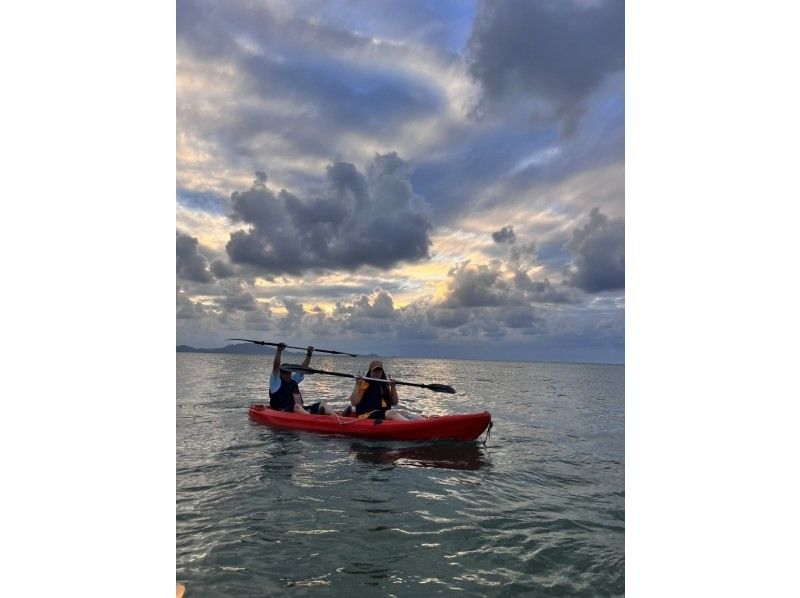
{"x": 538, "y": 511}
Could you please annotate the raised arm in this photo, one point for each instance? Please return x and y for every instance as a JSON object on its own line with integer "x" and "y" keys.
{"x": 276, "y": 364}
{"x": 307, "y": 360}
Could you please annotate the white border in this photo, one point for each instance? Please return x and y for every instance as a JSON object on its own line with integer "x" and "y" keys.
{"x": 711, "y": 415}
{"x": 88, "y": 154}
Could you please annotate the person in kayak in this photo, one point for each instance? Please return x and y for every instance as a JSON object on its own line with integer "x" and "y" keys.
{"x": 374, "y": 400}
{"x": 284, "y": 392}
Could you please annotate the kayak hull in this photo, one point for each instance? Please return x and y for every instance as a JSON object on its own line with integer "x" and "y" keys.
{"x": 447, "y": 427}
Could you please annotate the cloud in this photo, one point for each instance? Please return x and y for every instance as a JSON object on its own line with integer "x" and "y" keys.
{"x": 372, "y": 323}
{"x": 521, "y": 316}
{"x": 294, "y": 314}
{"x": 222, "y": 270}
{"x": 599, "y": 249}
{"x": 258, "y": 320}
{"x": 523, "y": 252}
{"x": 259, "y": 79}
{"x": 351, "y": 97}
{"x": 543, "y": 291}
{"x": 238, "y": 301}
{"x": 379, "y": 304}
{"x": 480, "y": 285}
{"x": 362, "y": 220}
{"x": 448, "y": 317}
{"x": 557, "y": 52}
{"x": 504, "y": 235}
{"x": 186, "y": 309}
{"x": 190, "y": 263}
{"x": 334, "y": 242}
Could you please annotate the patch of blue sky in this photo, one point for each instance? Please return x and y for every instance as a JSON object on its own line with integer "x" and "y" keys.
{"x": 202, "y": 201}
{"x": 599, "y": 140}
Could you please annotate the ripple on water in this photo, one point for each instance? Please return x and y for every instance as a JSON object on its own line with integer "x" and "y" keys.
{"x": 539, "y": 511}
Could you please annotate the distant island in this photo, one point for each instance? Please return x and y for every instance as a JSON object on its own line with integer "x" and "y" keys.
{"x": 247, "y": 349}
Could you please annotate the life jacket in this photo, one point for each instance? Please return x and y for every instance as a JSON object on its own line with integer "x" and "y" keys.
{"x": 374, "y": 397}
{"x": 283, "y": 400}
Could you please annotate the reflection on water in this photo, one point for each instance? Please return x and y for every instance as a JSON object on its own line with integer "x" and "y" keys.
{"x": 460, "y": 455}
{"x": 538, "y": 511}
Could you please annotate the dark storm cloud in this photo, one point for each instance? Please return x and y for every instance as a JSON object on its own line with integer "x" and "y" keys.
{"x": 238, "y": 301}
{"x": 222, "y": 269}
{"x": 558, "y": 51}
{"x": 543, "y": 291}
{"x": 484, "y": 299}
{"x": 484, "y": 327}
{"x": 193, "y": 265}
{"x": 367, "y": 220}
{"x": 311, "y": 289}
{"x": 423, "y": 320}
{"x": 505, "y": 235}
{"x": 379, "y": 305}
{"x": 186, "y": 309}
{"x": 480, "y": 285}
{"x": 190, "y": 264}
{"x": 448, "y": 317}
{"x": 521, "y": 316}
{"x": 493, "y": 285}
{"x": 599, "y": 249}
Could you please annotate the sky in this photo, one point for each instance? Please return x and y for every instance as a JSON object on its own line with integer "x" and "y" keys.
{"x": 418, "y": 178}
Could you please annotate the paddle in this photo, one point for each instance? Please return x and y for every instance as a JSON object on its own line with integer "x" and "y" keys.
{"x": 291, "y": 347}
{"x": 294, "y": 367}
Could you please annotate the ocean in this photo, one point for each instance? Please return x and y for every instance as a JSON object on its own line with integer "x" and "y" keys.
{"x": 539, "y": 510}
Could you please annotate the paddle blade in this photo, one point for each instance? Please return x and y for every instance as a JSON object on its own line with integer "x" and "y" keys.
{"x": 441, "y": 388}
{"x": 247, "y": 340}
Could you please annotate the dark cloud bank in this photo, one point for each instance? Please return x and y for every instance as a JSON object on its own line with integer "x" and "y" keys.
{"x": 599, "y": 249}
{"x": 372, "y": 219}
{"x": 557, "y": 51}
{"x": 488, "y": 300}
{"x": 192, "y": 264}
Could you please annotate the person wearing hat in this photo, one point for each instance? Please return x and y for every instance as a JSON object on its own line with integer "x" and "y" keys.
{"x": 284, "y": 392}
{"x": 374, "y": 400}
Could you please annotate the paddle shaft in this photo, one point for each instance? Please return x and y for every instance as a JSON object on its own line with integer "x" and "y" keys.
{"x": 306, "y": 370}
{"x": 292, "y": 347}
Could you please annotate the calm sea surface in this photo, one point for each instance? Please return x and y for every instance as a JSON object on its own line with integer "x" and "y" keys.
{"x": 538, "y": 511}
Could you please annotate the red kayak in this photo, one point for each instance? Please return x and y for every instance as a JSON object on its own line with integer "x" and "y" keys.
{"x": 446, "y": 427}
